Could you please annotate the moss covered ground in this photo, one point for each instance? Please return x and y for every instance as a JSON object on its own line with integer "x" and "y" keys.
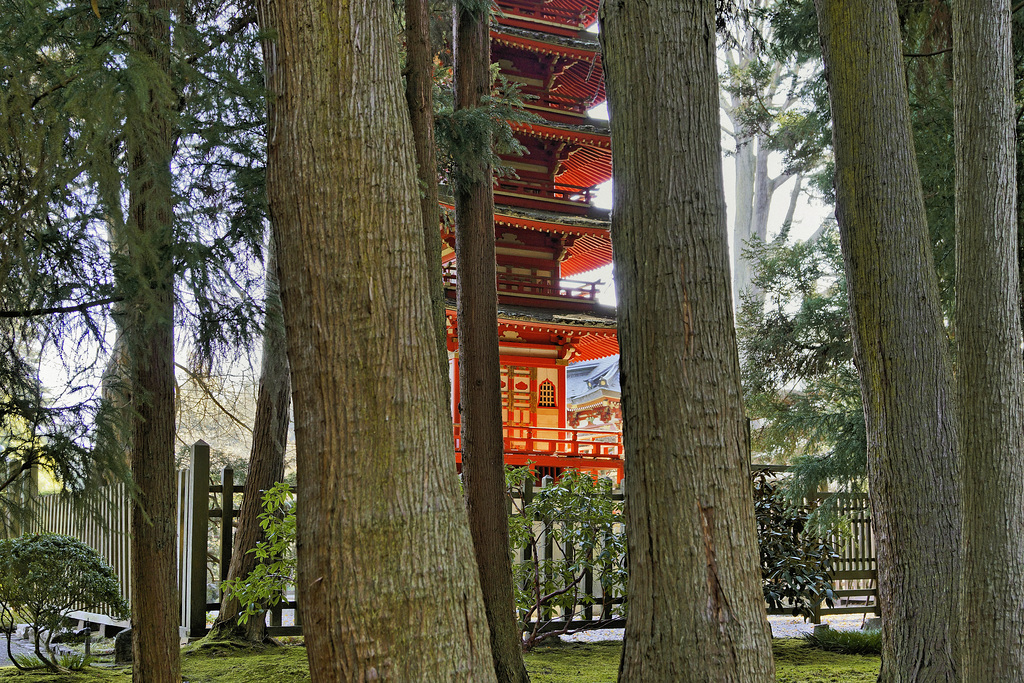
{"x": 795, "y": 661}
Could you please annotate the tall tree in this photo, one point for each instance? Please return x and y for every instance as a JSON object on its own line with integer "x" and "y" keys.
{"x": 147, "y": 276}
{"x": 266, "y": 461}
{"x": 990, "y": 374}
{"x": 385, "y": 562}
{"x": 760, "y": 97}
{"x": 690, "y": 522}
{"x": 899, "y": 340}
{"x": 483, "y": 445}
{"x": 419, "y": 97}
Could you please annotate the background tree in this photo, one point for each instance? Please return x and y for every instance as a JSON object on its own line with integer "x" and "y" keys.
{"x": 690, "y": 519}
{"x": 899, "y": 342}
{"x": 766, "y": 90}
{"x": 266, "y": 462}
{"x": 483, "y": 444}
{"x": 990, "y": 373}
{"x": 375, "y": 481}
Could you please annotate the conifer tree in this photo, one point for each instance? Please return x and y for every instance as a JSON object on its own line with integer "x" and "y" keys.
{"x": 374, "y": 453}
{"x": 696, "y": 610}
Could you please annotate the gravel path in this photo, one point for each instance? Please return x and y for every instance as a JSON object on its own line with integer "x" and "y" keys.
{"x": 18, "y": 646}
{"x": 782, "y": 627}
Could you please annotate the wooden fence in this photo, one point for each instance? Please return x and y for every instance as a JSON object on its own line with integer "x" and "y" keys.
{"x": 205, "y": 535}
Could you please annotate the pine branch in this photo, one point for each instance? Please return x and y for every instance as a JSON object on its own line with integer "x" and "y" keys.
{"x": 79, "y": 308}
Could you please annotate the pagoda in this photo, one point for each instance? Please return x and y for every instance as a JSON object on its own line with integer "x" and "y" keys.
{"x": 548, "y": 232}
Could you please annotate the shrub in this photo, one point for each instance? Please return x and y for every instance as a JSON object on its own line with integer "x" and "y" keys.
{"x": 43, "y": 577}
{"x": 847, "y": 642}
{"x": 795, "y": 565}
{"x": 265, "y": 586}
{"x": 578, "y": 517}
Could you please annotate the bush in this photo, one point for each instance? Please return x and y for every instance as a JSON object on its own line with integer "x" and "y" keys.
{"x": 847, "y": 642}
{"x": 265, "y": 586}
{"x": 795, "y": 565}
{"x": 43, "y": 577}
{"x": 578, "y": 517}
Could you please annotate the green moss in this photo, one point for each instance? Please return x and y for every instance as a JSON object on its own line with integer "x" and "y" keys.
{"x": 798, "y": 662}
{"x": 285, "y": 664}
{"x": 574, "y": 663}
{"x": 795, "y": 662}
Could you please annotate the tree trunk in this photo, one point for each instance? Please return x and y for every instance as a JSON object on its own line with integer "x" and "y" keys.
{"x": 148, "y": 279}
{"x": 990, "y": 371}
{"x": 266, "y": 461}
{"x": 483, "y": 448}
{"x": 743, "y": 195}
{"x": 900, "y": 344}
{"x": 696, "y": 611}
{"x": 385, "y": 571}
{"x": 419, "y": 97}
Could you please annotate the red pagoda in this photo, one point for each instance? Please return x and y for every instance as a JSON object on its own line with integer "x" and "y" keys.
{"x": 548, "y": 232}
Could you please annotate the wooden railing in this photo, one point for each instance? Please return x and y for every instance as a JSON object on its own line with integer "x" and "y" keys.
{"x": 543, "y": 189}
{"x": 557, "y": 447}
{"x": 532, "y": 286}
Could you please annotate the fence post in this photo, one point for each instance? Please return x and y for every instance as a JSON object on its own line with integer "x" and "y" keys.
{"x": 199, "y": 532}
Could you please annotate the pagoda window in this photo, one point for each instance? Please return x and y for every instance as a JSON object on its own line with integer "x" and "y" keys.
{"x": 546, "y": 395}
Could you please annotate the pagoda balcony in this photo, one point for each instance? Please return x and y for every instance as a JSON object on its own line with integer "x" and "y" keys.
{"x": 543, "y": 194}
{"x": 589, "y": 449}
{"x": 535, "y": 290}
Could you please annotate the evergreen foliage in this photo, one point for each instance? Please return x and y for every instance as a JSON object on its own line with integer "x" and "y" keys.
{"x": 801, "y": 388}
{"x": 43, "y": 578}
{"x": 72, "y": 77}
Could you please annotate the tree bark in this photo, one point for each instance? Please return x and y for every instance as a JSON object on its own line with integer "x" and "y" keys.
{"x": 385, "y": 570}
{"x": 266, "y": 461}
{"x": 148, "y": 280}
{"x": 696, "y": 611}
{"x": 419, "y": 97}
{"x": 483, "y": 447}
{"x": 900, "y": 344}
{"x": 990, "y": 371}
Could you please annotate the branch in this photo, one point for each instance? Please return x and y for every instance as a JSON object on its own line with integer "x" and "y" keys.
{"x": 34, "y": 312}
{"x": 931, "y": 54}
{"x": 209, "y": 393}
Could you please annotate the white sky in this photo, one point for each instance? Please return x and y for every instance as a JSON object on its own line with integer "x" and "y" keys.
{"x": 810, "y": 212}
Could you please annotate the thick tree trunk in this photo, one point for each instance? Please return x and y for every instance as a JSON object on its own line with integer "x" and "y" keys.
{"x": 696, "y": 611}
{"x": 483, "y": 466}
{"x": 385, "y": 577}
{"x": 990, "y": 372}
{"x": 419, "y": 97}
{"x": 148, "y": 280}
{"x": 900, "y": 344}
{"x": 266, "y": 461}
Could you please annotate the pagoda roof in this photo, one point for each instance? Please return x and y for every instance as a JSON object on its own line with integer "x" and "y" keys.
{"x": 595, "y": 134}
{"x": 579, "y": 83}
{"x": 581, "y": 46}
{"x": 562, "y": 16}
{"x": 590, "y": 163}
{"x": 591, "y": 334}
{"x": 591, "y": 249}
{"x": 588, "y": 381}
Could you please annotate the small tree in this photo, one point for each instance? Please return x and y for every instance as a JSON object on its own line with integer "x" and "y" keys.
{"x": 578, "y": 517}
{"x": 43, "y": 577}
